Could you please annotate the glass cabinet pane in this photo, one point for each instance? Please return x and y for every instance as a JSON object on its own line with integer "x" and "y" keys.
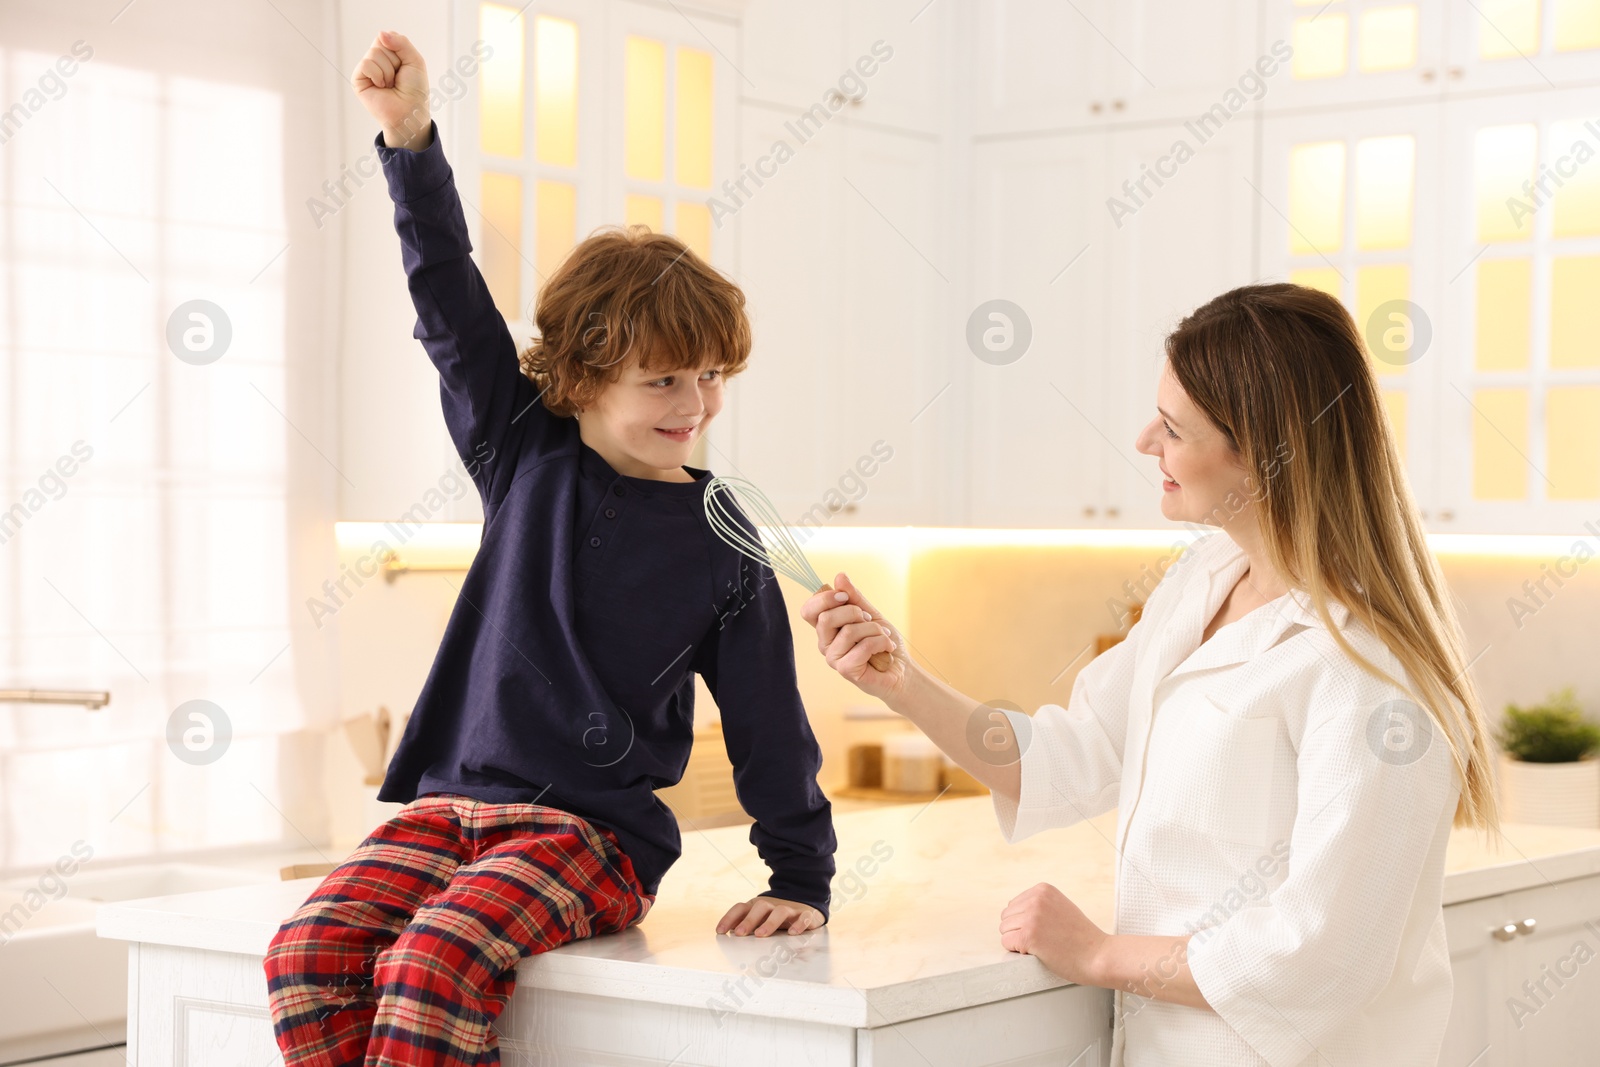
{"x": 1500, "y": 444}
{"x": 1394, "y": 401}
{"x": 1316, "y": 197}
{"x": 1504, "y": 308}
{"x": 500, "y": 241}
{"x": 1385, "y": 179}
{"x": 693, "y": 227}
{"x": 1572, "y": 441}
{"x": 694, "y": 118}
{"x": 1577, "y": 25}
{"x": 1503, "y": 162}
{"x": 555, "y": 78}
{"x": 555, "y": 222}
{"x": 1376, "y": 286}
{"x": 1575, "y": 311}
{"x": 1321, "y": 45}
{"x": 1388, "y": 39}
{"x": 1570, "y": 162}
{"x": 500, "y": 82}
{"x": 643, "y": 209}
{"x": 644, "y": 109}
{"x": 1507, "y": 29}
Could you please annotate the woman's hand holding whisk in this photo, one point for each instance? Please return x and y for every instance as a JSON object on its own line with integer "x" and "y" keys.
{"x": 850, "y": 631}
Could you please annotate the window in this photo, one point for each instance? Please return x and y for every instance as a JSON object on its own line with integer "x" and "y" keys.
{"x": 163, "y": 568}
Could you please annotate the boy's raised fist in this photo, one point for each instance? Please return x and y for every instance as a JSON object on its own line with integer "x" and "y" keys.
{"x": 392, "y": 82}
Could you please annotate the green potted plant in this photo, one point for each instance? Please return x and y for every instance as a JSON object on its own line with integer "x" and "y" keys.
{"x": 1550, "y": 764}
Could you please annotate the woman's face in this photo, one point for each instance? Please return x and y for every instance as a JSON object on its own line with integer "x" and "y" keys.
{"x": 1199, "y": 468}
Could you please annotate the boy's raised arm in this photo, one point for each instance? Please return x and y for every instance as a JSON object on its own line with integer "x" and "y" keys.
{"x": 488, "y": 402}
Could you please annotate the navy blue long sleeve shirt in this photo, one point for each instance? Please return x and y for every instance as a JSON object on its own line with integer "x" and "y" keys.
{"x": 565, "y": 676}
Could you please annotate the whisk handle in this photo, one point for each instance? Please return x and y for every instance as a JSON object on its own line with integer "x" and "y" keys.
{"x": 881, "y": 661}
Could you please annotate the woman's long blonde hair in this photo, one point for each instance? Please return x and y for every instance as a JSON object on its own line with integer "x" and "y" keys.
{"x": 1283, "y": 373}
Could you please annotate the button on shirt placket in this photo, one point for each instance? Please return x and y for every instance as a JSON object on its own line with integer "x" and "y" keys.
{"x": 607, "y": 517}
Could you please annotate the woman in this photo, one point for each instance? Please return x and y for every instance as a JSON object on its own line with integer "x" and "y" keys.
{"x": 1288, "y": 732}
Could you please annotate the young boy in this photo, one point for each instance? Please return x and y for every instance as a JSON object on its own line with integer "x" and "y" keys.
{"x": 562, "y": 694}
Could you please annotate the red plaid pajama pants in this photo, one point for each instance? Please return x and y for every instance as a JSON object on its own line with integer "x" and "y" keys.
{"x": 407, "y": 951}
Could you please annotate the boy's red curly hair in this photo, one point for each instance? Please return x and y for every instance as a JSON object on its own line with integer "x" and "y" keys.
{"x": 626, "y": 297}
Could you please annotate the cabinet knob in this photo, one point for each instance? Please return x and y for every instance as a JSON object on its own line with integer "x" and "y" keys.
{"x": 1111, "y": 513}
{"x": 1506, "y": 932}
{"x": 1456, "y": 73}
{"x": 1429, "y": 75}
{"x": 848, "y": 509}
{"x": 1526, "y": 926}
{"x": 1445, "y": 515}
{"x": 1118, "y": 105}
{"x": 1088, "y": 512}
{"x": 1095, "y": 107}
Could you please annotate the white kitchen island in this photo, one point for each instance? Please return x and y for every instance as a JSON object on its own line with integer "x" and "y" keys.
{"x": 909, "y": 971}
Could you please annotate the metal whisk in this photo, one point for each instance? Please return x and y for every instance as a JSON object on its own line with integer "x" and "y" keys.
{"x": 728, "y": 500}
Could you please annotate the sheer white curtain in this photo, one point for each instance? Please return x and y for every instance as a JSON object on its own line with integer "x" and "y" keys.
{"x": 164, "y": 507}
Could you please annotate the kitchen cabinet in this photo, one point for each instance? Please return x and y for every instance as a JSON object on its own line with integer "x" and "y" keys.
{"x": 1353, "y": 52}
{"x": 1417, "y": 218}
{"x": 1105, "y": 256}
{"x": 1189, "y": 242}
{"x": 1521, "y": 44}
{"x": 844, "y": 259}
{"x": 1037, "y": 455}
{"x": 984, "y": 161}
{"x": 1523, "y": 994}
{"x": 1518, "y": 367}
{"x": 885, "y": 58}
{"x": 889, "y": 981}
{"x": 1041, "y": 65}
{"x": 1345, "y": 207}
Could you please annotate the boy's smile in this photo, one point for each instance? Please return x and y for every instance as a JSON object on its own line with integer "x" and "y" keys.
{"x": 645, "y": 424}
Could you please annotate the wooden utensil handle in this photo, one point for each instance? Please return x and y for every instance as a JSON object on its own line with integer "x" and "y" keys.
{"x": 881, "y": 661}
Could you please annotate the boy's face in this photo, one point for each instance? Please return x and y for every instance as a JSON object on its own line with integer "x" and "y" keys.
{"x": 646, "y": 423}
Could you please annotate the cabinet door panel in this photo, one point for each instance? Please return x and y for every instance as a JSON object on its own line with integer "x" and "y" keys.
{"x": 1176, "y": 58}
{"x": 1040, "y": 64}
{"x": 1552, "y": 991}
{"x": 1188, "y": 241}
{"x": 789, "y": 235}
{"x": 791, "y": 54}
{"x": 893, "y": 381}
{"x": 911, "y": 90}
{"x": 1476, "y": 1031}
{"x": 1040, "y": 242}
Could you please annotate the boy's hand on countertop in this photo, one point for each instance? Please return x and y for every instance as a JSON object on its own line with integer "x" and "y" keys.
{"x": 391, "y": 81}
{"x": 850, "y": 631}
{"x": 767, "y": 915}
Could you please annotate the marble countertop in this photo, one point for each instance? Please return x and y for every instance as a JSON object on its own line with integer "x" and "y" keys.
{"x": 913, "y": 929}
